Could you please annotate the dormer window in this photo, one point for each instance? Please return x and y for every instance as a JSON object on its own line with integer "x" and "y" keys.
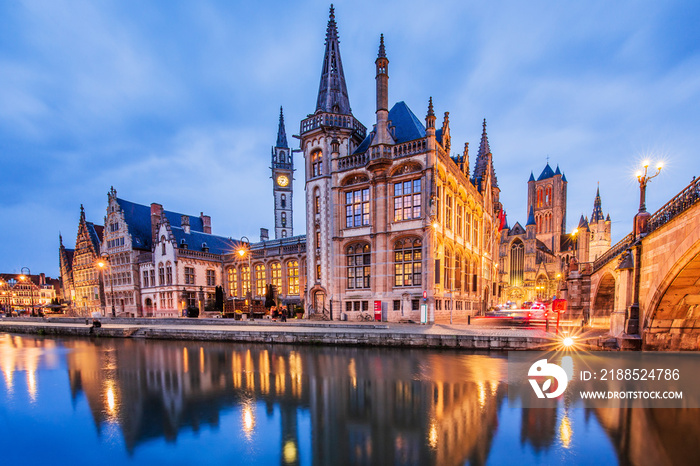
{"x": 205, "y": 248}
{"x": 183, "y": 244}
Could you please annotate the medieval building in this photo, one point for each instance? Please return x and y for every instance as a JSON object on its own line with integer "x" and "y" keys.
{"x": 80, "y": 272}
{"x": 393, "y": 221}
{"x": 535, "y": 260}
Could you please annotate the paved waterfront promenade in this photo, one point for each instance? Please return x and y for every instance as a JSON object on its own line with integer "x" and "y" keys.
{"x": 294, "y": 332}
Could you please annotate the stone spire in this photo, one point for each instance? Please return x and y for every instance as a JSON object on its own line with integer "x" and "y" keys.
{"x": 82, "y": 213}
{"x": 332, "y": 92}
{"x": 597, "y": 214}
{"x": 430, "y": 119}
{"x": 484, "y": 161}
{"x": 281, "y": 133}
{"x": 465, "y": 160}
{"x": 382, "y": 135}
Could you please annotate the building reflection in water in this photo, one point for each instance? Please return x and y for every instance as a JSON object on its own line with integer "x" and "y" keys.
{"x": 365, "y": 406}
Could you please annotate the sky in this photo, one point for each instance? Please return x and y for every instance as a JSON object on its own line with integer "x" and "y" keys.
{"x": 177, "y": 102}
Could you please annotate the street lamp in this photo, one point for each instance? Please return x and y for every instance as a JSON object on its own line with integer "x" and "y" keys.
{"x": 643, "y": 179}
{"x": 102, "y": 263}
{"x": 242, "y": 252}
{"x": 28, "y": 277}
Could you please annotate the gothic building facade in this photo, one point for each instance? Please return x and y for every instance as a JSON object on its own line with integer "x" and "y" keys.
{"x": 535, "y": 260}
{"x": 394, "y": 223}
{"x": 80, "y": 273}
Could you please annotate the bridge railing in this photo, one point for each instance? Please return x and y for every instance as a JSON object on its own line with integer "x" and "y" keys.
{"x": 682, "y": 201}
{"x": 613, "y": 252}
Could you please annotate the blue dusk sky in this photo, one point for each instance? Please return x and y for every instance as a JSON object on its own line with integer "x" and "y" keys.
{"x": 177, "y": 102}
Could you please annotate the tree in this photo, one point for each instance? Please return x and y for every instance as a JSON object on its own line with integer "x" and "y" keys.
{"x": 270, "y": 296}
{"x": 219, "y": 295}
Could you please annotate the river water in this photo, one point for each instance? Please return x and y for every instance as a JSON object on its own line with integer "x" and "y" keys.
{"x": 123, "y": 401}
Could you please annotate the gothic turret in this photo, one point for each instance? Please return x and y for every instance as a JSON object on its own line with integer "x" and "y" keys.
{"x": 484, "y": 161}
{"x": 597, "y": 214}
{"x": 382, "y": 136}
{"x": 332, "y": 92}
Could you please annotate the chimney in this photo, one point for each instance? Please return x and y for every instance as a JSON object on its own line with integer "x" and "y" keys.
{"x": 264, "y": 234}
{"x": 206, "y": 223}
{"x": 42, "y": 279}
{"x": 156, "y": 213}
{"x": 185, "y": 222}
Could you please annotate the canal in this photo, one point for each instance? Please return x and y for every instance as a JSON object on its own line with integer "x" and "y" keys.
{"x": 126, "y": 401}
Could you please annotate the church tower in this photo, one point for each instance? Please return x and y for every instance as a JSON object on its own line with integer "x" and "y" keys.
{"x": 546, "y": 197}
{"x": 329, "y": 133}
{"x": 600, "y": 230}
{"x": 282, "y": 186}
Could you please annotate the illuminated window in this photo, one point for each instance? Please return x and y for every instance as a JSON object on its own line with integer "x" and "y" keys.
{"x": 293, "y": 278}
{"x": 276, "y": 276}
{"x": 189, "y": 275}
{"x": 358, "y": 262}
{"x": 260, "y": 280}
{"x": 245, "y": 280}
{"x": 407, "y": 200}
{"x": 316, "y": 163}
{"x": 232, "y": 281}
{"x": 408, "y": 262}
{"x": 357, "y": 208}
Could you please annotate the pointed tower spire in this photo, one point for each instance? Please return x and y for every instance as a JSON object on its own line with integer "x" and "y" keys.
{"x": 382, "y": 51}
{"x": 484, "y": 162}
{"x": 465, "y": 160}
{"x": 82, "y": 213}
{"x": 597, "y": 214}
{"x": 281, "y": 133}
{"x": 531, "y": 217}
{"x": 332, "y": 92}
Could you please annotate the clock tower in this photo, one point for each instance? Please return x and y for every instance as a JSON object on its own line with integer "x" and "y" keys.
{"x": 282, "y": 176}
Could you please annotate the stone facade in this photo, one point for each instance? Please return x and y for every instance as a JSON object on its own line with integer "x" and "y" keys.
{"x": 393, "y": 221}
{"x": 535, "y": 262}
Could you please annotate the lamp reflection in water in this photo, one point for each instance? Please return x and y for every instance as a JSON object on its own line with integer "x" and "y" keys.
{"x": 565, "y": 430}
{"x": 433, "y": 435}
{"x": 289, "y": 452}
{"x": 248, "y": 419}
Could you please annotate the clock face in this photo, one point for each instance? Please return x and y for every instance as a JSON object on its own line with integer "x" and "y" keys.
{"x": 282, "y": 180}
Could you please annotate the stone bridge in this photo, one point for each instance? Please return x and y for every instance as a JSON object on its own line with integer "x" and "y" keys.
{"x": 648, "y": 284}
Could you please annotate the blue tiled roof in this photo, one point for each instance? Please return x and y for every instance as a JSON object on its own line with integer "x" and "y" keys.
{"x": 532, "y": 177}
{"x": 362, "y": 148}
{"x": 407, "y": 126}
{"x": 195, "y": 240}
{"x": 546, "y": 173}
{"x": 138, "y": 217}
{"x": 531, "y": 217}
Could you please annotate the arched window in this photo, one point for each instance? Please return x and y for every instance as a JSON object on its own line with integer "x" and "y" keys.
{"x": 475, "y": 286}
{"x": 161, "y": 274}
{"x": 539, "y": 197}
{"x": 408, "y": 258}
{"x": 284, "y": 219}
{"x": 448, "y": 212}
{"x": 293, "y": 278}
{"x": 447, "y": 270}
{"x": 260, "y": 280}
{"x": 517, "y": 262}
{"x": 283, "y": 201}
{"x": 317, "y": 201}
{"x": 245, "y": 280}
{"x": 458, "y": 272}
{"x": 162, "y": 244}
{"x": 358, "y": 262}
{"x": 316, "y": 163}
{"x": 232, "y": 282}
{"x": 276, "y": 276}
{"x": 548, "y": 196}
{"x": 541, "y": 287}
{"x": 467, "y": 276}
{"x": 168, "y": 274}
{"x": 284, "y": 233}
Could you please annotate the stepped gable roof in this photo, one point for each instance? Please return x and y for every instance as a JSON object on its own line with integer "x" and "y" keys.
{"x": 546, "y": 173}
{"x": 196, "y": 239}
{"x": 138, "y": 218}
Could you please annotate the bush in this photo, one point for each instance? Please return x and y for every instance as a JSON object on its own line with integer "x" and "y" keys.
{"x": 192, "y": 311}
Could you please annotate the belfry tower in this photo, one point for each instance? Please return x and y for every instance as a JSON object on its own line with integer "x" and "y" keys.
{"x": 600, "y": 230}
{"x": 282, "y": 186}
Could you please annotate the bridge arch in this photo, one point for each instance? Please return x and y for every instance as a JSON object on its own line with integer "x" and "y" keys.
{"x": 604, "y": 301}
{"x": 673, "y": 317}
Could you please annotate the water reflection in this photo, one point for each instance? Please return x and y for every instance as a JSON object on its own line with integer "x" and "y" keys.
{"x": 333, "y": 405}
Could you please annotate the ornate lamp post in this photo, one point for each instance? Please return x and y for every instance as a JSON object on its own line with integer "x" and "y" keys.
{"x": 102, "y": 263}
{"x": 642, "y": 217}
{"x": 244, "y": 251}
